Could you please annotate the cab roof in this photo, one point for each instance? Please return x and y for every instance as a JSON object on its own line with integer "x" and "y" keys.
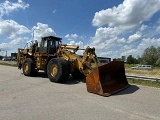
{"x": 52, "y": 37}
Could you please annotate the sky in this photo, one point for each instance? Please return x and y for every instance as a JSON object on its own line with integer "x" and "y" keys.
{"x": 114, "y": 27}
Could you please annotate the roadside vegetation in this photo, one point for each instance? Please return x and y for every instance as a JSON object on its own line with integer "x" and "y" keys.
{"x": 148, "y": 73}
{"x": 8, "y": 63}
{"x": 144, "y": 82}
{"x": 150, "y": 56}
{"x": 155, "y": 72}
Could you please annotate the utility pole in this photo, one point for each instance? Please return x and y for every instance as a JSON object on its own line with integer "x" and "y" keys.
{"x": 6, "y": 53}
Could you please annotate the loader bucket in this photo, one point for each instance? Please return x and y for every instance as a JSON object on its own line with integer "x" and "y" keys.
{"x": 107, "y": 79}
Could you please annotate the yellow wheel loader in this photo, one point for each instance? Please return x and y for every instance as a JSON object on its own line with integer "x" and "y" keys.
{"x": 59, "y": 60}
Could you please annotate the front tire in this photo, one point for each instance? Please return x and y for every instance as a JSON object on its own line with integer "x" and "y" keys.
{"x": 58, "y": 70}
{"x": 28, "y": 67}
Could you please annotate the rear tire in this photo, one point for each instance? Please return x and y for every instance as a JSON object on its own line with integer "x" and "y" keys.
{"x": 28, "y": 67}
{"x": 58, "y": 70}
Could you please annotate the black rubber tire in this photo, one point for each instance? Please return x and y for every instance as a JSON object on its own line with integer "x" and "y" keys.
{"x": 63, "y": 70}
{"x": 78, "y": 75}
{"x": 29, "y": 63}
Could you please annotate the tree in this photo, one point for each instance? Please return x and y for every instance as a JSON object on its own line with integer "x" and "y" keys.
{"x": 131, "y": 60}
{"x": 158, "y": 62}
{"x": 1, "y": 57}
{"x": 139, "y": 59}
{"x": 150, "y": 55}
{"x": 158, "y": 50}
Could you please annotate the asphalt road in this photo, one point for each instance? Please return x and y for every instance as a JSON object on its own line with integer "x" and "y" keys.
{"x": 36, "y": 98}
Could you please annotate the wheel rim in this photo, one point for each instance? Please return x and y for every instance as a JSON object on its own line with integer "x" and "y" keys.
{"x": 26, "y": 67}
{"x": 54, "y": 70}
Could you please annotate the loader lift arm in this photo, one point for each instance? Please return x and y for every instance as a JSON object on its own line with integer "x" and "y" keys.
{"x": 82, "y": 63}
{"x": 104, "y": 79}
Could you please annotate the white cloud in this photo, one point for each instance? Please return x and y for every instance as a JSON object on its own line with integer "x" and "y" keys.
{"x": 134, "y": 37}
{"x": 71, "y": 36}
{"x": 126, "y": 48}
{"x": 124, "y": 25}
{"x": 4, "y": 45}
{"x": 79, "y": 43}
{"x": 105, "y": 35}
{"x": 10, "y": 27}
{"x": 158, "y": 21}
{"x": 14, "y": 42}
{"x": 77, "y": 40}
{"x": 158, "y": 29}
{"x": 13, "y": 33}
{"x": 54, "y": 11}
{"x": 17, "y": 35}
{"x": 147, "y": 42}
{"x": 121, "y": 41}
{"x": 128, "y": 14}
{"x": 13, "y": 45}
{"x": 42, "y": 30}
{"x": 72, "y": 42}
{"x": 7, "y": 7}
{"x": 143, "y": 27}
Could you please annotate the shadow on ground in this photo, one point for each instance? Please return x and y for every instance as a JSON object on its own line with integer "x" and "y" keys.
{"x": 40, "y": 75}
{"x": 131, "y": 89}
{"x": 70, "y": 81}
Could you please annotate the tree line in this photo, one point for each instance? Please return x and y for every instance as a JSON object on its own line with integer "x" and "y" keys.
{"x": 150, "y": 56}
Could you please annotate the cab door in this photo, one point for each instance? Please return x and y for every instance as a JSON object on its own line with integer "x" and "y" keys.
{"x": 51, "y": 47}
{"x": 43, "y": 47}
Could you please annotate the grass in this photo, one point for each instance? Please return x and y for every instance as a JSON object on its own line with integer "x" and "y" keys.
{"x": 8, "y": 63}
{"x": 149, "y": 73}
{"x": 144, "y": 82}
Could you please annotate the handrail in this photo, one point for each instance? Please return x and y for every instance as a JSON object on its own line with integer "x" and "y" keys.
{"x": 144, "y": 78}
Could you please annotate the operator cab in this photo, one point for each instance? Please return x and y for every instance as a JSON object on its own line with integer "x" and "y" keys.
{"x": 49, "y": 44}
